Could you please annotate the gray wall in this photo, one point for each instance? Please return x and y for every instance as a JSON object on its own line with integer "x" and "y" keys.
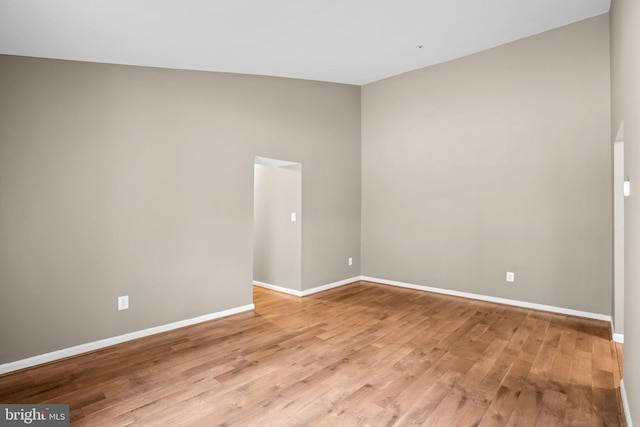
{"x": 277, "y": 241}
{"x": 496, "y": 162}
{"x": 134, "y": 181}
{"x": 618, "y": 237}
{"x": 625, "y": 116}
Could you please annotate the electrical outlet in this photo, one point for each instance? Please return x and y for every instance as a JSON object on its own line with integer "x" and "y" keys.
{"x": 123, "y": 302}
{"x": 350, "y": 261}
{"x": 511, "y": 276}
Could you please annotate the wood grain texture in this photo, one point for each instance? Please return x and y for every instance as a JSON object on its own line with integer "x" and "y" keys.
{"x": 360, "y": 355}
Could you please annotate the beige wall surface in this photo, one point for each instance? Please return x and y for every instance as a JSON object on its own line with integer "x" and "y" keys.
{"x": 625, "y": 114}
{"x": 134, "y": 181}
{"x": 277, "y": 241}
{"x": 618, "y": 237}
{"x": 496, "y": 162}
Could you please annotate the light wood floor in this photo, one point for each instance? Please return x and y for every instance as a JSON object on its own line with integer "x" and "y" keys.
{"x": 362, "y": 354}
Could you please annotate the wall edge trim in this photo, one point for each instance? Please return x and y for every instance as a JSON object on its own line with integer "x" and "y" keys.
{"x": 278, "y": 288}
{"x": 307, "y": 291}
{"x": 516, "y": 303}
{"x": 331, "y": 285}
{"x": 625, "y": 404}
{"x": 107, "y": 342}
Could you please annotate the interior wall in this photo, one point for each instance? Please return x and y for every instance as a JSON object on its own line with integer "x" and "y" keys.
{"x": 499, "y": 161}
{"x": 118, "y": 180}
{"x": 618, "y": 239}
{"x": 625, "y": 102}
{"x": 277, "y": 240}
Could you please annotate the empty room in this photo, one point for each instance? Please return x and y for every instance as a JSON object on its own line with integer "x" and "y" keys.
{"x": 319, "y": 213}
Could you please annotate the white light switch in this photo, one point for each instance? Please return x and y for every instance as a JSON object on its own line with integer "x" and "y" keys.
{"x": 626, "y": 189}
{"x": 293, "y": 217}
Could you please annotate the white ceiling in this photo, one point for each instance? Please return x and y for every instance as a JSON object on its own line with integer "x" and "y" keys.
{"x": 344, "y": 41}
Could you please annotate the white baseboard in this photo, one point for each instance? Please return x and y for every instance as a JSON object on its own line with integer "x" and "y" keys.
{"x": 618, "y": 338}
{"x": 306, "y": 291}
{"x": 515, "y": 303}
{"x": 96, "y": 345}
{"x": 278, "y": 288}
{"x": 625, "y": 404}
{"x": 330, "y": 286}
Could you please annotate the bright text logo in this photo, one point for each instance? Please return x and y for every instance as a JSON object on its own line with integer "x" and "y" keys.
{"x": 37, "y": 415}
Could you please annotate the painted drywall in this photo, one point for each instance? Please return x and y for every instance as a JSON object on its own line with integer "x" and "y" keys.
{"x": 618, "y": 238}
{"x": 496, "y": 162}
{"x": 625, "y": 119}
{"x": 119, "y": 180}
{"x": 277, "y": 240}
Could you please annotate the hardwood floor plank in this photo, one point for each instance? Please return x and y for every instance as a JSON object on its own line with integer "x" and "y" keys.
{"x": 444, "y": 414}
{"x": 506, "y": 398}
{"x": 525, "y": 412}
{"x": 579, "y": 394}
{"x": 363, "y": 354}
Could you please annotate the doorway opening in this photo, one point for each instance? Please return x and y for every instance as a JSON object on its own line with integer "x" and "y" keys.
{"x": 277, "y": 225}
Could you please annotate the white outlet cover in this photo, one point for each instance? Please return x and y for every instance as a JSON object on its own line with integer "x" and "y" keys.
{"x": 350, "y": 261}
{"x": 511, "y": 276}
{"x": 123, "y": 302}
